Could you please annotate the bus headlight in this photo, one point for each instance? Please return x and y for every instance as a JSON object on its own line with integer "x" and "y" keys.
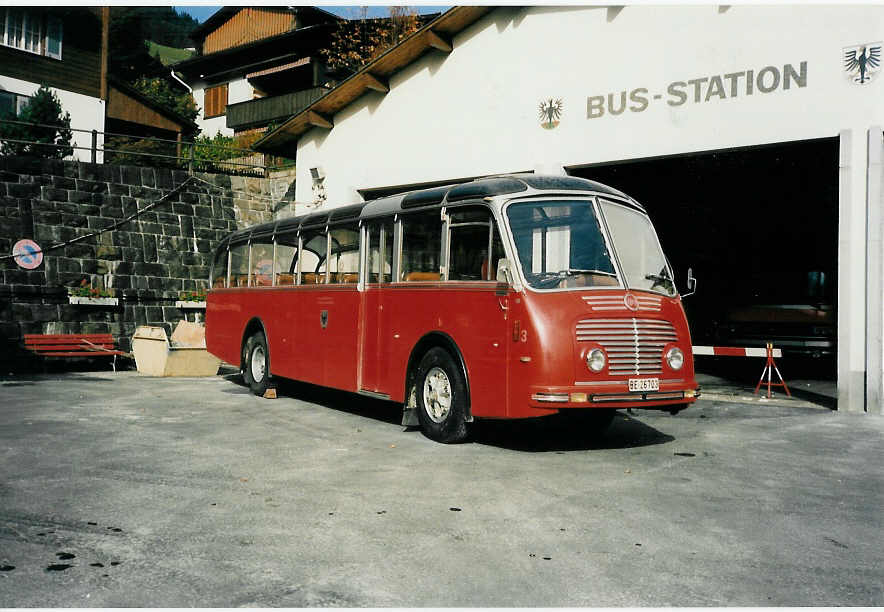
{"x": 595, "y": 360}
{"x": 675, "y": 358}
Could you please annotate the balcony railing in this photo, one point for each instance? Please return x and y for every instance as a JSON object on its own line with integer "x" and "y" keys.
{"x": 262, "y": 111}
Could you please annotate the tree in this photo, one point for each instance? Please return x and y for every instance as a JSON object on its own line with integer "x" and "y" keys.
{"x": 51, "y": 138}
{"x": 356, "y": 42}
{"x": 129, "y": 57}
{"x": 161, "y": 92}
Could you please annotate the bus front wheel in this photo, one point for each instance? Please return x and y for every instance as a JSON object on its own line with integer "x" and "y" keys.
{"x": 441, "y": 397}
{"x": 256, "y": 364}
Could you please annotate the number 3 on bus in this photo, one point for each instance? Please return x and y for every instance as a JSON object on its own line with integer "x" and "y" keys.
{"x": 508, "y": 297}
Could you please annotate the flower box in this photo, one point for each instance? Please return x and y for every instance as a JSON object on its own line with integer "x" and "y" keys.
{"x": 93, "y": 301}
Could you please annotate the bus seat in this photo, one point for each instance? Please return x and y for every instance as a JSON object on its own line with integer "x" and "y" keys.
{"x": 347, "y": 277}
{"x": 312, "y": 278}
{"x": 422, "y": 276}
{"x": 485, "y": 270}
{"x": 242, "y": 280}
{"x": 219, "y": 283}
{"x": 261, "y": 280}
{"x": 285, "y": 279}
{"x": 600, "y": 280}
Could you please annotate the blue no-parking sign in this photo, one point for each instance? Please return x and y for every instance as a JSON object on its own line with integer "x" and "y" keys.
{"x": 27, "y": 254}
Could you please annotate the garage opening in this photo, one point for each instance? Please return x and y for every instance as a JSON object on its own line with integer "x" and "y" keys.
{"x": 759, "y": 227}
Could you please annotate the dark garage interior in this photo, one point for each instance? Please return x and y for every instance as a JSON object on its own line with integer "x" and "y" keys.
{"x": 759, "y": 227}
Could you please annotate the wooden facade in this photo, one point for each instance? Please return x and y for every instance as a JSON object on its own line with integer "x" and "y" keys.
{"x": 125, "y": 104}
{"x": 249, "y": 25}
{"x": 80, "y": 68}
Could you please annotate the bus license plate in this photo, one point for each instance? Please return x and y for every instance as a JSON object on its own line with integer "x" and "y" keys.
{"x": 644, "y": 384}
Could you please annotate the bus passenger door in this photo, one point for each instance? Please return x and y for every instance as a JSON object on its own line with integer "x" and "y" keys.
{"x": 379, "y": 258}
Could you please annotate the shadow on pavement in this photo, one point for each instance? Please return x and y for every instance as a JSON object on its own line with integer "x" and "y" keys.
{"x": 817, "y": 398}
{"x": 549, "y": 434}
{"x": 545, "y": 434}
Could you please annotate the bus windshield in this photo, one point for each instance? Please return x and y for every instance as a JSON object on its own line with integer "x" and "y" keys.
{"x": 641, "y": 259}
{"x": 561, "y": 245}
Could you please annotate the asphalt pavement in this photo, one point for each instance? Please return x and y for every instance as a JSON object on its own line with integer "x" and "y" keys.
{"x": 119, "y": 490}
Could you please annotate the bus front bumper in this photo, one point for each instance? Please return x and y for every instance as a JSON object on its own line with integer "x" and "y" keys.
{"x": 554, "y": 399}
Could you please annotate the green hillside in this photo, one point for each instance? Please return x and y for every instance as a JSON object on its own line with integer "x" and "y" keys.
{"x": 168, "y": 55}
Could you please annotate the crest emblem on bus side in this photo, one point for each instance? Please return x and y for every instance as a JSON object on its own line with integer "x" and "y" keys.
{"x": 550, "y": 111}
{"x": 861, "y": 63}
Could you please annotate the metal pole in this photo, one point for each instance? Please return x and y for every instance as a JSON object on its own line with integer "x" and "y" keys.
{"x": 94, "y": 146}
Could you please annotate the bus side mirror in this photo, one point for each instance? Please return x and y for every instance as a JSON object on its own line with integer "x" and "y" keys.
{"x": 692, "y": 283}
{"x": 504, "y": 275}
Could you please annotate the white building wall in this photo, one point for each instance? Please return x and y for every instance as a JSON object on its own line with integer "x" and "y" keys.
{"x": 87, "y": 113}
{"x": 475, "y": 111}
{"x": 684, "y": 72}
{"x": 238, "y": 90}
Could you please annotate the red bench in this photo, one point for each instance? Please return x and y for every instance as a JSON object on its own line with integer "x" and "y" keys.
{"x": 74, "y": 345}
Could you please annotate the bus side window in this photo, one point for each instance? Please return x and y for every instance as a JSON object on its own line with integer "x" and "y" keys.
{"x": 219, "y": 269}
{"x": 262, "y": 264}
{"x": 239, "y": 265}
{"x": 421, "y": 246}
{"x": 344, "y": 254}
{"x": 380, "y": 240}
{"x": 312, "y": 258}
{"x": 286, "y": 248}
{"x": 472, "y": 234}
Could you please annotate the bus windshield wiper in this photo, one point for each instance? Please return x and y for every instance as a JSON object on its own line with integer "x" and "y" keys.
{"x": 582, "y": 271}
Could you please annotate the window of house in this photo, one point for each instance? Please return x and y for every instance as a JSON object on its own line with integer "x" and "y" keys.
{"x": 216, "y": 101}
{"x": 11, "y": 104}
{"x": 32, "y": 31}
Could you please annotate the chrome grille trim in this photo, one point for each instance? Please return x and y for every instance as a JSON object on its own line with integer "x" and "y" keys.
{"x": 616, "y": 302}
{"x": 634, "y": 346}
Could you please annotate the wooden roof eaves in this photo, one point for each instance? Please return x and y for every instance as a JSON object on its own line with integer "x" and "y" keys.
{"x": 432, "y": 35}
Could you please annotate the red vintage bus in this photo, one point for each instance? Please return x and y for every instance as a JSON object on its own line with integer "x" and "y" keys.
{"x": 508, "y": 297}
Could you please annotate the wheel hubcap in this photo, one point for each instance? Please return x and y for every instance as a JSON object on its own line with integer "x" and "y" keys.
{"x": 437, "y": 395}
{"x": 257, "y": 363}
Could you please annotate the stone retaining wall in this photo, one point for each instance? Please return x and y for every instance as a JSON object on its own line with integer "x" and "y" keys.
{"x": 147, "y": 263}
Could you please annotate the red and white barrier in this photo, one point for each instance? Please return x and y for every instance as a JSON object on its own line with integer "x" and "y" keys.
{"x": 733, "y": 351}
{"x": 769, "y": 368}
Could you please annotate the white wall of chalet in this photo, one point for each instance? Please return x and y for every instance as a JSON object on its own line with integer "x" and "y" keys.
{"x": 87, "y": 113}
{"x": 634, "y": 82}
{"x": 238, "y": 90}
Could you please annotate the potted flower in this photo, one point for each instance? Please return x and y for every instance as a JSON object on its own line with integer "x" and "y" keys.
{"x": 93, "y": 296}
{"x": 192, "y": 299}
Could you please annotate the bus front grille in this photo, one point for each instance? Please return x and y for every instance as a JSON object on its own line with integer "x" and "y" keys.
{"x": 634, "y": 346}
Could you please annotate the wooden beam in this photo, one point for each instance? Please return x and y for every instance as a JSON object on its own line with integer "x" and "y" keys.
{"x": 437, "y": 42}
{"x": 372, "y": 82}
{"x": 105, "y": 38}
{"x": 317, "y": 120}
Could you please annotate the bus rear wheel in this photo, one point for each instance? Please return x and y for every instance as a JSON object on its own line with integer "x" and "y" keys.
{"x": 256, "y": 364}
{"x": 441, "y": 397}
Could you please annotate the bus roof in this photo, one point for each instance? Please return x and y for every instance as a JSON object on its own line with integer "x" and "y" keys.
{"x": 432, "y": 197}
